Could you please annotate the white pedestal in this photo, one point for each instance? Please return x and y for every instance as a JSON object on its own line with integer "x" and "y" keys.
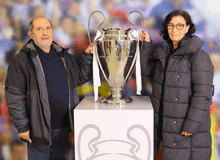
{"x": 114, "y": 132}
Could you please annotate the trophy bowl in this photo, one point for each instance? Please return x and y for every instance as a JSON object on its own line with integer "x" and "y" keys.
{"x": 116, "y": 55}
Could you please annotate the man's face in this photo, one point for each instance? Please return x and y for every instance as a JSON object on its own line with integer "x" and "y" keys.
{"x": 42, "y": 32}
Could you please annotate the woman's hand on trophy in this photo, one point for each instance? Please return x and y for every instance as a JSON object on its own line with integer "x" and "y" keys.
{"x": 144, "y": 36}
{"x": 90, "y": 48}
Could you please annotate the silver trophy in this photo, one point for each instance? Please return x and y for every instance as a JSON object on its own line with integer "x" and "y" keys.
{"x": 115, "y": 50}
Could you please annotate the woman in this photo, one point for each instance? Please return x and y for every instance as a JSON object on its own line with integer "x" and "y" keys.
{"x": 182, "y": 75}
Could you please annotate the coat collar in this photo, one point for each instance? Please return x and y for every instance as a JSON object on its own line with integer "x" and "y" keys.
{"x": 186, "y": 46}
{"x": 30, "y": 48}
{"x": 181, "y": 43}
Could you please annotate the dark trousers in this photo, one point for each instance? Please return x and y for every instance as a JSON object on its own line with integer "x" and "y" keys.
{"x": 54, "y": 152}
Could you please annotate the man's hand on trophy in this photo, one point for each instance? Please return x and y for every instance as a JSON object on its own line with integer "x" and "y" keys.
{"x": 144, "y": 36}
{"x": 90, "y": 48}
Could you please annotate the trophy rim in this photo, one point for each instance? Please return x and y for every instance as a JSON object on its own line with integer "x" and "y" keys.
{"x": 117, "y": 29}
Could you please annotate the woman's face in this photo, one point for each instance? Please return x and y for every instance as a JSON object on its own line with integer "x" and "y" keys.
{"x": 177, "y": 28}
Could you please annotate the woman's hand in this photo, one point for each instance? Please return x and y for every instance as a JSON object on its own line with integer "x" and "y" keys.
{"x": 144, "y": 36}
{"x": 186, "y": 133}
{"x": 90, "y": 48}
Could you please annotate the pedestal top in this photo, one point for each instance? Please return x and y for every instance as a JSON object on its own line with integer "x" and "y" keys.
{"x": 138, "y": 103}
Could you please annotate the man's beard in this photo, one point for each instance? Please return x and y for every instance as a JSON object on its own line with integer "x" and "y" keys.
{"x": 42, "y": 45}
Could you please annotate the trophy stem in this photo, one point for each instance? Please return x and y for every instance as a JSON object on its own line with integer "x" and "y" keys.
{"x": 116, "y": 94}
{"x": 117, "y": 97}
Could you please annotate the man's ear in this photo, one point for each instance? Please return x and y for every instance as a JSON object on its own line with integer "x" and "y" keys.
{"x": 30, "y": 34}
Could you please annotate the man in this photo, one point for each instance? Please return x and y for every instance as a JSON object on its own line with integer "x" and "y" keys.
{"x": 41, "y": 91}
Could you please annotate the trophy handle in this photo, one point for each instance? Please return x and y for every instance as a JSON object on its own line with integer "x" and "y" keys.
{"x": 134, "y": 25}
{"x": 98, "y": 26}
{"x": 141, "y": 15}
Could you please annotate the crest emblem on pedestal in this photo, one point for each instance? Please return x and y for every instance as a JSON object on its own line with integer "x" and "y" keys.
{"x": 116, "y": 149}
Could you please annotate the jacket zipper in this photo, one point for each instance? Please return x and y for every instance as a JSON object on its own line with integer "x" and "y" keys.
{"x": 162, "y": 95}
{"x": 70, "y": 116}
{"x": 50, "y": 132}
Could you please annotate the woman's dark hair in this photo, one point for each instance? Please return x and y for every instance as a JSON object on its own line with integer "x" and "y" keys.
{"x": 185, "y": 15}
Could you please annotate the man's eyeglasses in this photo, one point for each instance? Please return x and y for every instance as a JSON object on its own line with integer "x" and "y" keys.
{"x": 179, "y": 26}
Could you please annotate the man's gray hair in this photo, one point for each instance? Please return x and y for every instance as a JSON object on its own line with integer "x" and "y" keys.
{"x": 31, "y": 25}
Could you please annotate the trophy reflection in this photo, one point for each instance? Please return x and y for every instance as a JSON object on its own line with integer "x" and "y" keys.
{"x": 116, "y": 53}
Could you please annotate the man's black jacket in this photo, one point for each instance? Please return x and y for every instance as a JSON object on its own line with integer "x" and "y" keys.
{"x": 26, "y": 90}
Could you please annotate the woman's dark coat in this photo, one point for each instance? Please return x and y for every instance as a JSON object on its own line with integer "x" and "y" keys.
{"x": 181, "y": 98}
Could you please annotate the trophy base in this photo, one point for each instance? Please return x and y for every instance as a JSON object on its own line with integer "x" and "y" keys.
{"x": 111, "y": 100}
